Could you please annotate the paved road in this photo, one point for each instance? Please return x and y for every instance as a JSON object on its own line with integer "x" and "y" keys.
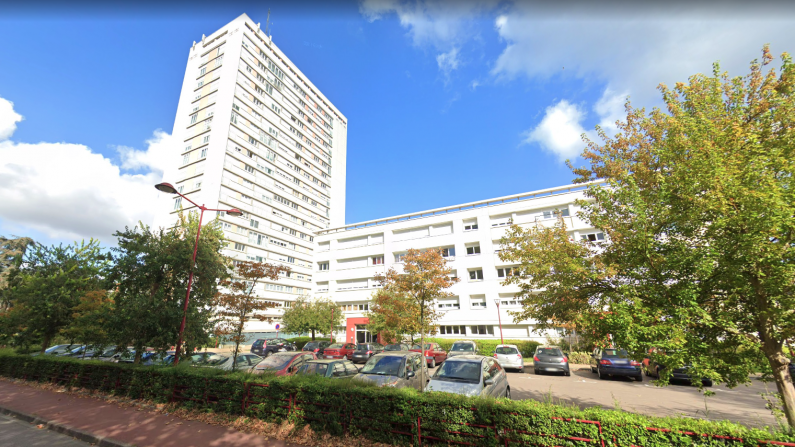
{"x": 742, "y": 404}
{"x": 16, "y": 433}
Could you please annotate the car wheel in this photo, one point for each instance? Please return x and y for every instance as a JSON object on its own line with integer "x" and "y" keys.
{"x": 521, "y": 370}
{"x": 433, "y": 363}
{"x": 508, "y": 393}
{"x": 593, "y": 370}
{"x": 599, "y": 373}
{"x": 646, "y": 371}
{"x": 535, "y": 371}
{"x": 268, "y": 354}
{"x": 639, "y": 378}
{"x": 567, "y": 373}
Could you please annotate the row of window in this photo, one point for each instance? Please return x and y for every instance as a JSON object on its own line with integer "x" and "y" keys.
{"x": 462, "y": 330}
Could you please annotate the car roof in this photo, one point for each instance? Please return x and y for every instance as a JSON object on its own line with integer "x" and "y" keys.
{"x": 288, "y": 353}
{"x": 508, "y": 346}
{"x": 465, "y": 341}
{"x": 467, "y": 357}
{"x": 396, "y": 354}
{"x": 328, "y": 360}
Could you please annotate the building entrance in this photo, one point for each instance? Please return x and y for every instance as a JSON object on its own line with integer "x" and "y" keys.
{"x": 362, "y": 334}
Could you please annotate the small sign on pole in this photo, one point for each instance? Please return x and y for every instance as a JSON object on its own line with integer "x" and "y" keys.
{"x": 277, "y": 330}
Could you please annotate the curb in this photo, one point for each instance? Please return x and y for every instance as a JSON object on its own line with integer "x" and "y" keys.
{"x": 81, "y": 435}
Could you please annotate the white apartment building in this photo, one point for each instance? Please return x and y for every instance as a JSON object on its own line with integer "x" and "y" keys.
{"x": 348, "y": 257}
{"x": 257, "y": 135}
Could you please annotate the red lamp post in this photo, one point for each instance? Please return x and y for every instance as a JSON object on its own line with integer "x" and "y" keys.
{"x": 169, "y": 189}
{"x": 499, "y": 318}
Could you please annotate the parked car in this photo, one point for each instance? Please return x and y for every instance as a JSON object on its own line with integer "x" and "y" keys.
{"x": 364, "y": 351}
{"x": 57, "y": 350}
{"x": 463, "y": 347}
{"x": 99, "y": 353}
{"x": 550, "y": 359}
{"x": 318, "y": 347}
{"x": 339, "y": 351}
{"x": 330, "y": 368}
{"x": 74, "y": 352}
{"x": 284, "y": 363}
{"x": 434, "y": 353}
{"x": 508, "y": 356}
{"x": 397, "y": 347}
{"x": 471, "y": 375}
{"x": 264, "y": 347}
{"x": 245, "y": 362}
{"x": 398, "y": 369}
{"x": 654, "y": 369}
{"x": 614, "y": 362}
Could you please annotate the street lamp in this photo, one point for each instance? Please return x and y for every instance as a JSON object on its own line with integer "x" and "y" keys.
{"x": 169, "y": 189}
{"x": 499, "y": 318}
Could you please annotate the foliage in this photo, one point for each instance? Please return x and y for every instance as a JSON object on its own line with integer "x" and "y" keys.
{"x": 238, "y": 305}
{"x": 45, "y": 288}
{"x": 320, "y": 315}
{"x": 391, "y": 416}
{"x": 394, "y": 317}
{"x": 91, "y": 319}
{"x": 150, "y": 279}
{"x": 424, "y": 279}
{"x": 10, "y": 249}
{"x": 698, "y": 206}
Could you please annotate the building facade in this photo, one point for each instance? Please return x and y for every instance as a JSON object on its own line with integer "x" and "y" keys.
{"x": 255, "y": 134}
{"x": 348, "y": 257}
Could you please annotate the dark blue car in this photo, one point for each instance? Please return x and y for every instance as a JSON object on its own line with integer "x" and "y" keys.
{"x": 610, "y": 362}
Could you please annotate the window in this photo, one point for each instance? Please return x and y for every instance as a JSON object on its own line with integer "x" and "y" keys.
{"x": 206, "y": 139}
{"x": 180, "y": 189}
{"x": 512, "y": 301}
{"x": 240, "y": 247}
{"x": 291, "y": 260}
{"x": 472, "y": 225}
{"x": 178, "y": 203}
{"x": 322, "y": 265}
{"x": 378, "y": 260}
{"x": 593, "y": 237}
{"x": 399, "y": 257}
{"x": 188, "y": 147}
{"x": 203, "y": 70}
{"x": 448, "y": 252}
{"x": 473, "y": 250}
{"x": 482, "y": 330}
{"x": 476, "y": 275}
{"x": 254, "y": 223}
{"x": 452, "y": 330}
{"x": 193, "y": 118}
{"x": 197, "y": 185}
{"x": 448, "y": 304}
{"x": 204, "y": 153}
{"x": 550, "y": 214}
{"x": 506, "y": 271}
{"x": 478, "y": 301}
{"x": 249, "y": 169}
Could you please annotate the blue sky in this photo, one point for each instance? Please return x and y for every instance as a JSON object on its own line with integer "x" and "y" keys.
{"x": 447, "y": 102}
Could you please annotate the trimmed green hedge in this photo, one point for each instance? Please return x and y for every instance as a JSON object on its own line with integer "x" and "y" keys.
{"x": 401, "y": 417}
{"x": 487, "y": 347}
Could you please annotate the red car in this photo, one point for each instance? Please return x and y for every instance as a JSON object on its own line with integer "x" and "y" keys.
{"x": 284, "y": 363}
{"x": 339, "y": 351}
{"x": 434, "y": 354}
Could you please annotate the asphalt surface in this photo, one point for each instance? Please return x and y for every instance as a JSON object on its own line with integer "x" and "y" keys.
{"x": 16, "y": 433}
{"x": 584, "y": 389}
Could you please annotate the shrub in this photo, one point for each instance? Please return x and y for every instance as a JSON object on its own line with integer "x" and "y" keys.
{"x": 392, "y": 416}
{"x": 487, "y": 347}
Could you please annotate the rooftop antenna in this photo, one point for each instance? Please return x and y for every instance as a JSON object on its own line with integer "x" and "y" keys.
{"x": 268, "y": 22}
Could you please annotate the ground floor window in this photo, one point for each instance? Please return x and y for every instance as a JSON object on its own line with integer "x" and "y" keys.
{"x": 452, "y": 330}
{"x": 482, "y": 330}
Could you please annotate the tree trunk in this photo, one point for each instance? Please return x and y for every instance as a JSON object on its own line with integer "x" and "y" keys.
{"x": 45, "y": 343}
{"x": 313, "y": 335}
{"x": 237, "y": 348}
{"x": 780, "y": 365}
{"x": 422, "y": 348}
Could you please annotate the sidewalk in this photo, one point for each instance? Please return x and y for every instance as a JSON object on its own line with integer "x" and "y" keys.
{"x": 112, "y": 425}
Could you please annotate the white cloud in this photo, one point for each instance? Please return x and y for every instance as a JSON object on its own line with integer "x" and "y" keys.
{"x": 559, "y": 132}
{"x": 561, "y": 129}
{"x": 448, "y": 62}
{"x": 636, "y": 50}
{"x": 8, "y": 119}
{"x": 66, "y": 191}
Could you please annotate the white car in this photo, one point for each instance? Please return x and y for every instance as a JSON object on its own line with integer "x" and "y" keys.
{"x": 508, "y": 356}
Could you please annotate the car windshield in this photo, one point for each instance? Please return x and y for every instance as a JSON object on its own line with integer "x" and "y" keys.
{"x": 463, "y": 347}
{"x": 383, "y": 366}
{"x": 337, "y": 346}
{"x": 108, "y": 352}
{"x": 275, "y": 341}
{"x": 216, "y": 360}
{"x": 549, "y": 351}
{"x": 310, "y": 346}
{"x": 314, "y": 368}
{"x": 459, "y": 371}
{"x": 53, "y": 349}
{"x": 275, "y": 361}
{"x": 418, "y": 347}
{"x": 393, "y": 348}
{"x": 619, "y": 353}
{"x": 506, "y": 350}
{"x": 362, "y": 347}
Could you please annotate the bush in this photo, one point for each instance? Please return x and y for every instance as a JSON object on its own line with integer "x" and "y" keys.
{"x": 392, "y": 416}
{"x": 582, "y": 358}
{"x": 487, "y": 347}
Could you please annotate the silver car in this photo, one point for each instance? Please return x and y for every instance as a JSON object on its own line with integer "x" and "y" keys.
{"x": 399, "y": 369}
{"x": 508, "y": 356}
{"x": 550, "y": 359}
{"x": 464, "y": 347}
{"x": 245, "y": 362}
{"x": 471, "y": 375}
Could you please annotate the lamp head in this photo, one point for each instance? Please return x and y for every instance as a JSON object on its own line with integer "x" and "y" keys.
{"x": 234, "y": 212}
{"x": 166, "y": 188}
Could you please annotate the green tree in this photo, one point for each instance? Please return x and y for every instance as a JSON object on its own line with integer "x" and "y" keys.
{"x": 425, "y": 278}
{"x": 46, "y": 286}
{"x": 10, "y": 249}
{"x": 91, "y": 319}
{"x": 320, "y": 315}
{"x": 150, "y": 279}
{"x": 393, "y": 316}
{"x": 698, "y": 205}
{"x": 238, "y": 305}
